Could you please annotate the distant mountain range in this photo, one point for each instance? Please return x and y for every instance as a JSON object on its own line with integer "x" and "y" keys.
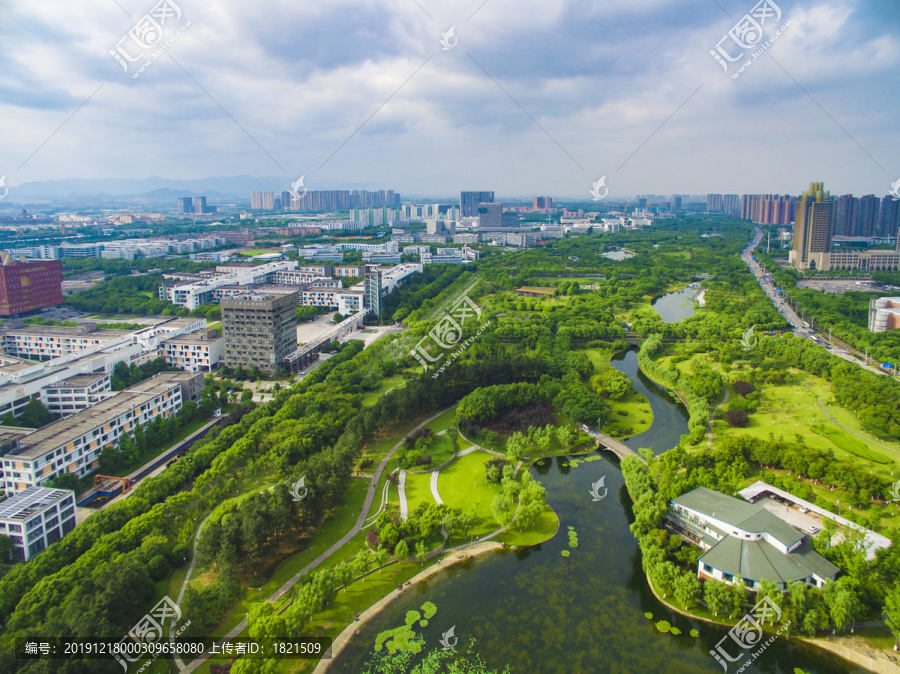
{"x": 217, "y": 190}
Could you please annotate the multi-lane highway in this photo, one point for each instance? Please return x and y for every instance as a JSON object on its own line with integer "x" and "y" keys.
{"x": 832, "y": 346}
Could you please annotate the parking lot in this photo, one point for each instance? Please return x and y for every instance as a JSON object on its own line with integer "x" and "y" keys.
{"x": 840, "y": 286}
{"x": 792, "y": 515}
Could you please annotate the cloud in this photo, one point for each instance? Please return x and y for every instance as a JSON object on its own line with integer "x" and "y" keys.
{"x": 250, "y": 88}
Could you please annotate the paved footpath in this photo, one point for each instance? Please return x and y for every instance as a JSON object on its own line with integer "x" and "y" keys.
{"x": 434, "y": 489}
{"x": 284, "y": 589}
{"x": 401, "y": 487}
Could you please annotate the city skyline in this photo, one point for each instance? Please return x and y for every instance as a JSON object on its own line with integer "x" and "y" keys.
{"x": 543, "y": 101}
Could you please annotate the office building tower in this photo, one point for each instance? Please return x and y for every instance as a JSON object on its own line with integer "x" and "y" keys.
{"x": 676, "y": 202}
{"x": 285, "y": 201}
{"x": 469, "y": 201}
{"x": 28, "y": 286}
{"x": 186, "y": 204}
{"x": 490, "y": 215}
{"x": 260, "y": 329}
{"x": 200, "y": 205}
{"x": 373, "y": 292}
{"x": 262, "y": 201}
{"x": 813, "y": 224}
{"x": 543, "y": 202}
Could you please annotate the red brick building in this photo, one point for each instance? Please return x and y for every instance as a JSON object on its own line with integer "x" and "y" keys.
{"x": 28, "y": 286}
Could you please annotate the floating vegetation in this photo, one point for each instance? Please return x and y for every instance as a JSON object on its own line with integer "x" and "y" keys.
{"x": 675, "y": 631}
{"x": 565, "y": 553}
{"x": 594, "y": 458}
{"x": 404, "y": 639}
{"x": 573, "y": 538}
{"x": 648, "y": 615}
{"x": 695, "y": 633}
{"x": 663, "y": 626}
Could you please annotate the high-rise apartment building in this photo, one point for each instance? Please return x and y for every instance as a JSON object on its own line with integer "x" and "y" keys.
{"x": 469, "y": 201}
{"x": 731, "y": 204}
{"x": 200, "y": 205}
{"x": 260, "y": 329}
{"x": 813, "y": 224}
{"x": 543, "y": 202}
{"x": 186, "y": 204}
{"x": 713, "y": 202}
{"x": 867, "y": 218}
{"x": 767, "y": 209}
{"x": 676, "y": 202}
{"x": 262, "y": 201}
{"x": 889, "y": 217}
{"x": 846, "y": 215}
{"x": 29, "y": 286}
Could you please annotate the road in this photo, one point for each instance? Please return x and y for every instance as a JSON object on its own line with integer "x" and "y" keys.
{"x": 833, "y": 347}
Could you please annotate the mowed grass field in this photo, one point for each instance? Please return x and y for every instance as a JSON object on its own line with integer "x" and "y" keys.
{"x": 791, "y": 410}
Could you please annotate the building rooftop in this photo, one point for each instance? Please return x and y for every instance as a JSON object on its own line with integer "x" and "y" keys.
{"x": 33, "y": 500}
{"x": 759, "y": 560}
{"x": 79, "y": 380}
{"x": 740, "y": 514}
{"x": 64, "y": 431}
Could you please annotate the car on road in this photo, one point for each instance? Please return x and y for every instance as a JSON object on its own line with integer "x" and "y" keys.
{"x": 814, "y": 529}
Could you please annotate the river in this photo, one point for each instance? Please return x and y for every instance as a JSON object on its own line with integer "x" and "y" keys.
{"x": 540, "y": 612}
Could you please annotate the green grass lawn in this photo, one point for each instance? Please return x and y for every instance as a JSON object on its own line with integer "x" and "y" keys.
{"x": 259, "y": 251}
{"x": 629, "y": 416}
{"x": 372, "y": 397}
{"x": 418, "y": 490}
{"x": 462, "y": 484}
{"x": 443, "y": 422}
{"x": 145, "y": 457}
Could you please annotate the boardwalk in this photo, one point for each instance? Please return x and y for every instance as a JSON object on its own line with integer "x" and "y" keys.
{"x": 618, "y": 448}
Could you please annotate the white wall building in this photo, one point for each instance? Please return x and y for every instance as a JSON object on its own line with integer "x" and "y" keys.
{"x": 35, "y": 519}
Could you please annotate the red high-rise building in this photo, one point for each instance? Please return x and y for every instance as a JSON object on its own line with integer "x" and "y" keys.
{"x": 28, "y": 286}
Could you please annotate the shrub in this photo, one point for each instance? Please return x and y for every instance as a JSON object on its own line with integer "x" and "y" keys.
{"x": 744, "y": 387}
{"x": 736, "y": 418}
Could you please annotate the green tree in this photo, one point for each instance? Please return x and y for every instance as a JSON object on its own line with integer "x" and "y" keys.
{"x": 687, "y": 587}
{"x": 246, "y": 396}
{"x": 717, "y": 596}
{"x": 891, "y": 610}
{"x": 401, "y": 552}
{"x": 421, "y": 552}
{"x": 5, "y": 547}
{"x": 35, "y": 415}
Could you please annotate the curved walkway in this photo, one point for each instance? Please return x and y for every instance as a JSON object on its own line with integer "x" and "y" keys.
{"x": 284, "y": 589}
{"x": 840, "y": 425}
{"x": 434, "y": 489}
{"x": 401, "y": 486}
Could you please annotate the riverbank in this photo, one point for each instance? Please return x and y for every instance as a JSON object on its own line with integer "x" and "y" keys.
{"x": 352, "y": 629}
{"x": 852, "y": 649}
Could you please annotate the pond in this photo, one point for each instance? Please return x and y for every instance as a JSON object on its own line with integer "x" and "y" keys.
{"x": 541, "y": 612}
{"x": 676, "y": 306}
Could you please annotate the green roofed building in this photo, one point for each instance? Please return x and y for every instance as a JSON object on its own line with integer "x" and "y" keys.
{"x": 746, "y": 541}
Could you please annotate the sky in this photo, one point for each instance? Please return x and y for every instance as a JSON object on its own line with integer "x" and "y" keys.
{"x": 524, "y": 97}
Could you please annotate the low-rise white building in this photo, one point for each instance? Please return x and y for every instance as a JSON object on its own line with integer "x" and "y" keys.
{"x": 35, "y": 519}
